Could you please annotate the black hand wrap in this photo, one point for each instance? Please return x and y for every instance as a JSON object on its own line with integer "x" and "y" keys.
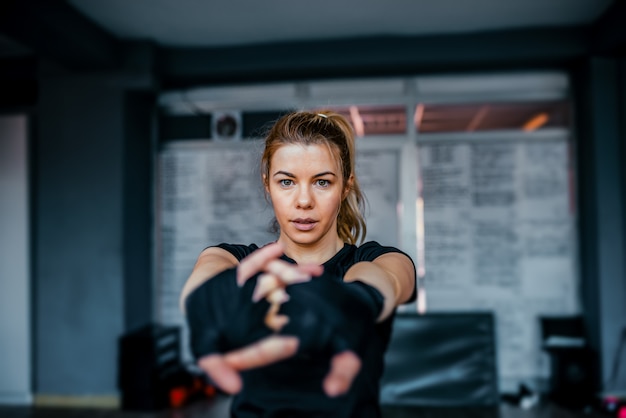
{"x": 326, "y": 314}
{"x": 221, "y": 315}
{"x": 329, "y": 315}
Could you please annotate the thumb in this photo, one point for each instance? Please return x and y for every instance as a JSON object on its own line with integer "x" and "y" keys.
{"x": 344, "y": 367}
{"x": 263, "y": 352}
{"x": 221, "y": 373}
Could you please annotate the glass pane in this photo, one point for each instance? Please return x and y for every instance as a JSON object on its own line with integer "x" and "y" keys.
{"x": 375, "y": 119}
{"x": 471, "y": 117}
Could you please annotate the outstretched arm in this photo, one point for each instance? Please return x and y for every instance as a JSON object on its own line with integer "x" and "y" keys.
{"x": 392, "y": 274}
{"x": 211, "y": 261}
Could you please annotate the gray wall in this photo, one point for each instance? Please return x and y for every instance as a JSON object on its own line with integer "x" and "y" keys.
{"x": 80, "y": 208}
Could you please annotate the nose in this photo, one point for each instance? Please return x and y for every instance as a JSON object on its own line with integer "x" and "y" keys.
{"x": 304, "y": 198}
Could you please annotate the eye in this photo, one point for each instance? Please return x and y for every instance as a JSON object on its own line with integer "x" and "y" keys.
{"x": 285, "y": 182}
{"x": 323, "y": 183}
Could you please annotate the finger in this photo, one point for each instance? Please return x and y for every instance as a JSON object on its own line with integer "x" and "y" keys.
{"x": 221, "y": 373}
{"x": 291, "y": 273}
{"x": 264, "y": 285}
{"x": 266, "y": 351}
{"x": 256, "y": 261}
{"x": 270, "y": 282}
{"x": 276, "y": 322}
{"x": 344, "y": 367}
{"x": 273, "y": 320}
{"x": 278, "y": 296}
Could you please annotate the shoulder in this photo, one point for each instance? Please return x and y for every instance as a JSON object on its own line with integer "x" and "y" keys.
{"x": 371, "y": 250}
{"x": 400, "y": 263}
{"x": 239, "y": 251}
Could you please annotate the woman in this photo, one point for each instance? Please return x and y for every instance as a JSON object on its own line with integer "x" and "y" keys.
{"x": 299, "y": 327}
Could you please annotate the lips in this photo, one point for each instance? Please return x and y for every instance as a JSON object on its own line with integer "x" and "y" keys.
{"x": 304, "y": 224}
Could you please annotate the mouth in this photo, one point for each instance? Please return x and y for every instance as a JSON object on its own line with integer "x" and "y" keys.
{"x": 302, "y": 224}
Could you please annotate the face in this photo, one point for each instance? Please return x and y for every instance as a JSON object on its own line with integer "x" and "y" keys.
{"x": 306, "y": 189}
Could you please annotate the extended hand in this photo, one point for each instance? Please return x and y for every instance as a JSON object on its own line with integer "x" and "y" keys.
{"x": 221, "y": 314}
{"x": 235, "y": 334}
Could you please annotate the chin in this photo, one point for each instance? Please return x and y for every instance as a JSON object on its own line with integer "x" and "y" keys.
{"x": 303, "y": 238}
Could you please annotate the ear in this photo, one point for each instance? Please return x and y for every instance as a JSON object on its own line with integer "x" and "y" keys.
{"x": 347, "y": 187}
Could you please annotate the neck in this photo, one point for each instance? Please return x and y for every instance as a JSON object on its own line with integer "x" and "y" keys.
{"x": 317, "y": 253}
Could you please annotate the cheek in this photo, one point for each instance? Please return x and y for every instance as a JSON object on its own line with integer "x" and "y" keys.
{"x": 335, "y": 204}
{"x": 278, "y": 202}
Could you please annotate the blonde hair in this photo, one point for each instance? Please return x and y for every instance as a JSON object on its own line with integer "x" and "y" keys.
{"x": 333, "y": 130}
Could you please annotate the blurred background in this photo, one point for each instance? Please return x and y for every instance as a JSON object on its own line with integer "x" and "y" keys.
{"x": 491, "y": 139}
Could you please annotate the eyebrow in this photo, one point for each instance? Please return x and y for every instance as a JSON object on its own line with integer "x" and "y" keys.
{"x": 288, "y": 174}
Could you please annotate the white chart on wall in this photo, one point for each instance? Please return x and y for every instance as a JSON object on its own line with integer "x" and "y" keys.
{"x": 500, "y": 235}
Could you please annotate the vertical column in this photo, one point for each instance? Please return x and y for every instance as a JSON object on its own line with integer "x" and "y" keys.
{"x": 15, "y": 382}
{"x": 602, "y": 208}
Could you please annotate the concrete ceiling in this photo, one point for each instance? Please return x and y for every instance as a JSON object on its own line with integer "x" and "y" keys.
{"x": 196, "y": 23}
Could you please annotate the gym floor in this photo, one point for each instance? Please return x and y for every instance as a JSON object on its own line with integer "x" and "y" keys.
{"x": 218, "y": 408}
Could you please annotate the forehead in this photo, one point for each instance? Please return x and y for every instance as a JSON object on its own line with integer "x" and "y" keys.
{"x": 298, "y": 156}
